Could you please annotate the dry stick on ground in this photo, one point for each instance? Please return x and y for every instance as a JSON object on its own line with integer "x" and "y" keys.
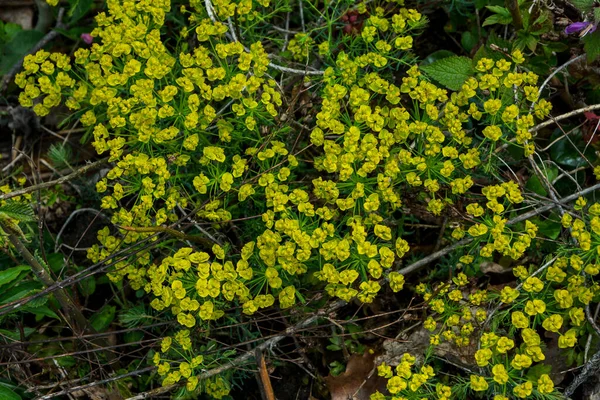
{"x": 236, "y": 362}
{"x": 39, "y": 45}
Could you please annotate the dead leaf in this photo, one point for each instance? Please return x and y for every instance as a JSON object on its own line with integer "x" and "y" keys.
{"x": 357, "y": 382}
{"x": 488, "y": 267}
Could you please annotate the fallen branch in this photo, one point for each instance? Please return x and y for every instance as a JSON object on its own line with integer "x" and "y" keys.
{"x": 590, "y": 368}
{"x": 61, "y": 180}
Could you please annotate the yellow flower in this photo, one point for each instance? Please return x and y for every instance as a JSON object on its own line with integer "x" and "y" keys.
{"x": 521, "y": 361}
{"x": 535, "y": 307}
{"x": 478, "y": 383}
{"x": 524, "y": 390}
{"x": 500, "y": 374}
{"x": 482, "y": 356}
{"x": 504, "y": 344}
{"x": 519, "y": 320}
{"x": 553, "y": 323}
{"x": 545, "y": 384}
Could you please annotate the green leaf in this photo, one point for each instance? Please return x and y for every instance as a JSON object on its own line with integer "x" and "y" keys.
{"x": 18, "y": 292}
{"x": 132, "y": 337}
{"x": 548, "y": 228}
{"x": 87, "y": 287}
{"x": 435, "y": 56}
{"x": 534, "y": 373}
{"x": 7, "y": 394}
{"x": 56, "y": 262}
{"x": 78, "y": 9}
{"x": 535, "y": 185}
{"x": 496, "y": 19}
{"x": 17, "y": 48}
{"x": 468, "y": 41}
{"x": 450, "y": 72}
{"x": 583, "y": 5}
{"x": 499, "y": 10}
{"x": 11, "y": 274}
{"x": 41, "y": 311}
{"x": 591, "y": 45}
{"x": 19, "y": 211}
{"x": 524, "y": 39}
{"x": 102, "y": 320}
{"x": 567, "y": 152}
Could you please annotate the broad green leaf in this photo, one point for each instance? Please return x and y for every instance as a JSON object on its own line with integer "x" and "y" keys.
{"x": 67, "y": 361}
{"x": 87, "y": 287}
{"x": 41, "y": 311}
{"x": 534, "y": 373}
{"x": 11, "y": 274}
{"x": 450, "y": 72}
{"x": 548, "y": 228}
{"x": 18, "y": 292}
{"x": 56, "y": 262}
{"x": 78, "y": 9}
{"x": 591, "y": 45}
{"x": 8, "y": 394}
{"x": 435, "y": 56}
{"x": 16, "y": 335}
{"x": 536, "y": 185}
{"x": 17, "y": 48}
{"x": 102, "y": 320}
{"x": 468, "y": 41}
{"x": 565, "y": 153}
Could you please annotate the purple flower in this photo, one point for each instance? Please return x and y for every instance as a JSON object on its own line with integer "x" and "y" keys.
{"x": 87, "y": 38}
{"x": 583, "y": 27}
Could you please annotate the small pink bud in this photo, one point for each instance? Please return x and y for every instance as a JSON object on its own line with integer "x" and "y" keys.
{"x": 87, "y": 38}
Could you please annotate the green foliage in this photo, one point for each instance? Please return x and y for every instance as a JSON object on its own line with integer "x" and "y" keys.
{"x": 450, "y": 72}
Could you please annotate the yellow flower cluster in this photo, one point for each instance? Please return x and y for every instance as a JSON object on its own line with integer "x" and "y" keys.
{"x": 403, "y": 380}
{"x": 200, "y": 128}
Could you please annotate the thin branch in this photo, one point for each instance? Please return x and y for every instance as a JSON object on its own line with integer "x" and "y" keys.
{"x": 554, "y": 120}
{"x": 58, "y": 181}
{"x": 556, "y": 71}
{"x": 97, "y": 383}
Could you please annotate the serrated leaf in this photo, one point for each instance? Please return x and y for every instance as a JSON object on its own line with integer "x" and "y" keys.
{"x": 18, "y": 292}
{"x": 19, "y": 211}
{"x": 496, "y": 19}
{"x": 11, "y": 274}
{"x": 450, "y": 72}
{"x": 499, "y": 10}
